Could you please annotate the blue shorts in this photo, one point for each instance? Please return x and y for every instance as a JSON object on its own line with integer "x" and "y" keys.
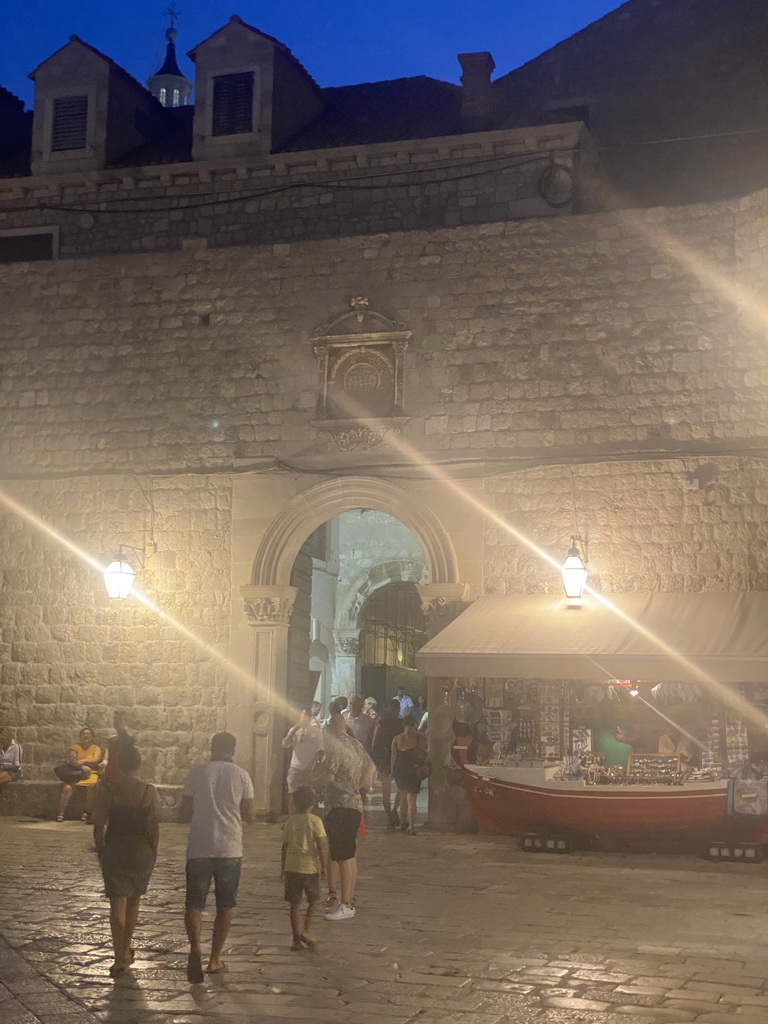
{"x": 224, "y": 872}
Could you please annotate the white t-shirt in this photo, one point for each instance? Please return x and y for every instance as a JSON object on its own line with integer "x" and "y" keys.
{"x": 216, "y": 788}
{"x": 306, "y": 743}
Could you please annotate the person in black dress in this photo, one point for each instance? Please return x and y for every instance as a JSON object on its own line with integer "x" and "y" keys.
{"x": 390, "y": 725}
{"x": 126, "y": 833}
{"x": 408, "y": 754}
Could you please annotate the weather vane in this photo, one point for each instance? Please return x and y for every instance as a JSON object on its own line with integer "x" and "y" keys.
{"x": 172, "y": 13}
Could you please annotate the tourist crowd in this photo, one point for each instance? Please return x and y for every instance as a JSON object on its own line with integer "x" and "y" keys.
{"x": 333, "y": 765}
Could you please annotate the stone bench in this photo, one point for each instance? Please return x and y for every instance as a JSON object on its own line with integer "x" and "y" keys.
{"x": 40, "y": 799}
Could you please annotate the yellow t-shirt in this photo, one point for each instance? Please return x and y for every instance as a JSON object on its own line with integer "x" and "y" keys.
{"x": 93, "y": 753}
{"x": 301, "y": 833}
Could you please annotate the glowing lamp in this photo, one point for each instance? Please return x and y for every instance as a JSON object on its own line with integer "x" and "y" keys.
{"x": 574, "y": 572}
{"x": 119, "y": 576}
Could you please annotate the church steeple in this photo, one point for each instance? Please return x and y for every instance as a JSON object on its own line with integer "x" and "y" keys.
{"x": 168, "y": 84}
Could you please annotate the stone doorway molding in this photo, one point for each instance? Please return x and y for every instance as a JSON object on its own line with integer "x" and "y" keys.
{"x": 396, "y": 570}
{"x": 260, "y": 718}
{"x": 308, "y": 510}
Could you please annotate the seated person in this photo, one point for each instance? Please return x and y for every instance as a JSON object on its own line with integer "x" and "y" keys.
{"x": 615, "y": 741}
{"x": 89, "y": 754}
{"x": 10, "y": 757}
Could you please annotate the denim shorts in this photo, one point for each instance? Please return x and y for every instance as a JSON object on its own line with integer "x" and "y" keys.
{"x": 224, "y": 872}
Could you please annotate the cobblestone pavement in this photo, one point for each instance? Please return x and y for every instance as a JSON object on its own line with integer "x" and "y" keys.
{"x": 449, "y": 929}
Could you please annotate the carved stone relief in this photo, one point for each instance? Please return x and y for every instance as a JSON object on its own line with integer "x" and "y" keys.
{"x": 361, "y": 357}
{"x": 268, "y": 606}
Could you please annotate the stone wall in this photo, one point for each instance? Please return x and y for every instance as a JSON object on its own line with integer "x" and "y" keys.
{"x": 398, "y": 186}
{"x": 611, "y": 342}
{"x": 70, "y": 656}
{"x": 676, "y": 525}
{"x": 576, "y": 336}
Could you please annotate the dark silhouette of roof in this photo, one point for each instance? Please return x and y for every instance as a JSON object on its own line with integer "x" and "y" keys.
{"x": 355, "y": 115}
{"x": 172, "y": 146}
{"x": 15, "y": 136}
{"x": 403, "y": 108}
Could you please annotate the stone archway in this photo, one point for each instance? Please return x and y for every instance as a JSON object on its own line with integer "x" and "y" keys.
{"x": 258, "y": 721}
{"x": 308, "y": 510}
{"x": 396, "y": 570}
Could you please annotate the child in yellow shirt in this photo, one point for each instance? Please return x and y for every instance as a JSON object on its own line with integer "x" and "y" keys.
{"x": 303, "y": 860}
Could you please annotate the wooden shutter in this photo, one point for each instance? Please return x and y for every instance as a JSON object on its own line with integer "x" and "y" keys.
{"x": 232, "y": 104}
{"x": 70, "y": 123}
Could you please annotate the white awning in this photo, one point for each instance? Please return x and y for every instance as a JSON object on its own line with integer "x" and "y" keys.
{"x": 538, "y": 636}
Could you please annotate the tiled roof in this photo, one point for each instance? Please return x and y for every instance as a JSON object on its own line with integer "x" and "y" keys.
{"x": 403, "y": 108}
{"x": 355, "y": 115}
{"x": 174, "y": 146}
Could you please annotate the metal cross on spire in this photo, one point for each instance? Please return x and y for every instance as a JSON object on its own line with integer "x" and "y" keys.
{"x": 172, "y": 14}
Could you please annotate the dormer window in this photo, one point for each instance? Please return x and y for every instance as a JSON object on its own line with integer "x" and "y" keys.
{"x": 232, "y": 104}
{"x": 69, "y": 129}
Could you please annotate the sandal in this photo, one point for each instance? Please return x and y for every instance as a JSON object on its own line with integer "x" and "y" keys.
{"x": 331, "y": 899}
{"x": 306, "y": 941}
{"x": 296, "y": 946}
{"x": 59, "y": 817}
{"x": 195, "y": 974}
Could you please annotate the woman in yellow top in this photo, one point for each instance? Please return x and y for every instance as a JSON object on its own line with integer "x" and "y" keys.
{"x": 84, "y": 752}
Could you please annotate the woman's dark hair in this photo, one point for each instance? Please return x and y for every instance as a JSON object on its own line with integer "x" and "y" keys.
{"x": 127, "y": 756}
{"x": 409, "y": 720}
{"x": 337, "y": 705}
{"x": 304, "y": 799}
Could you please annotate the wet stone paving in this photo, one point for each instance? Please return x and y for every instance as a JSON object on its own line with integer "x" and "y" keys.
{"x": 450, "y": 929}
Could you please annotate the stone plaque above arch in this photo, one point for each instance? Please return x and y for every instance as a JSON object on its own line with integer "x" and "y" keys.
{"x": 361, "y": 357}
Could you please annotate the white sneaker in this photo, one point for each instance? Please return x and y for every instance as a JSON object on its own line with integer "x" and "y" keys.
{"x": 342, "y": 912}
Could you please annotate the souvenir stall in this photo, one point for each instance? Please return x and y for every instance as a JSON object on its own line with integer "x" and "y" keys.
{"x": 625, "y": 718}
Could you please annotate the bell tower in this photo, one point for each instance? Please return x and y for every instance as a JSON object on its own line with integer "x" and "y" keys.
{"x": 168, "y": 84}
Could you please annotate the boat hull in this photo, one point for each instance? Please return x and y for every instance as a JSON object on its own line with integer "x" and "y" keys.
{"x": 503, "y": 803}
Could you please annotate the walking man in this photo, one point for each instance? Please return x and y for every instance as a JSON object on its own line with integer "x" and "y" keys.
{"x": 352, "y": 773}
{"x": 217, "y": 798}
{"x": 359, "y": 724}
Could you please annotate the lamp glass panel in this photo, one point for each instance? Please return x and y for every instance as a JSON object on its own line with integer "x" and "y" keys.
{"x": 574, "y": 575}
{"x": 118, "y": 578}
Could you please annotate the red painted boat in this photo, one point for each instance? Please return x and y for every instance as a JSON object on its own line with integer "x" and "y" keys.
{"x": 516, "y": 800}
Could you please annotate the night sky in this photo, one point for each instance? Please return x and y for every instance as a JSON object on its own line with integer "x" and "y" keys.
{"x": 340, "y": 42}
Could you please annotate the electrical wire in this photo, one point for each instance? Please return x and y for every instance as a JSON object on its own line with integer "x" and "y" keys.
{"x": 104, "y": 205}
{"x": 463, "y": 468}
{"x": 100, "y": 205}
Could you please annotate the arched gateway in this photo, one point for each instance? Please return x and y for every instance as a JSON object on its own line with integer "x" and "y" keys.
{"x": 256, "y": 713}
{"x": 280, "y": 546}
